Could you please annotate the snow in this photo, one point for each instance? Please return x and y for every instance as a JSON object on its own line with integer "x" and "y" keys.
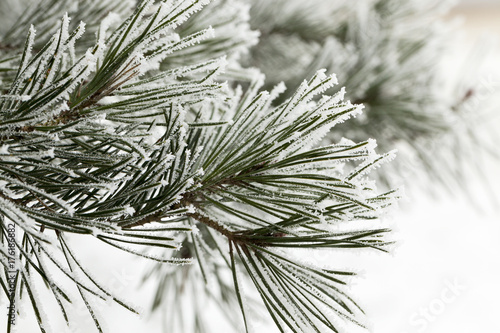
{"x": 393, "y": 289}
{"x": 129, "y": 210}
{"x": 22, "y": 98}
{"x": 4, "y": 149}
{"x": 50, "y": 153}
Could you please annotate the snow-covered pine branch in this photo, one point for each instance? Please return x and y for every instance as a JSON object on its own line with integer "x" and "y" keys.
{"x": 388, "y": 54}
{"x": 135, "y": 139}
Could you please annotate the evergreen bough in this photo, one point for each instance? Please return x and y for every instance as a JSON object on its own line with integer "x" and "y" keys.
{"x": 389, "y": 55}
{"x": 144, "y": 128}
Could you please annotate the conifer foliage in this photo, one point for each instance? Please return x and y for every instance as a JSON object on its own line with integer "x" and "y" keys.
{"x": 389, "y": 56}
{"x": 136, "y": 125}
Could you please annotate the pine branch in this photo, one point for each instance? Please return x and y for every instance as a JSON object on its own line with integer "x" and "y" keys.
{"x": 387, "y": 54}
{"x": 115, "y": 139}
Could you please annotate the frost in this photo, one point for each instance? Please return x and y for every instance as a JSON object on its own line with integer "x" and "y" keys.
{"x": 200, "y": 172}
{"x": 338, "y": 97}
{"x": 169, "y": 158}
{"x": 128, "y": 146}
{"x": 129, "y": 210}
{"x": 44, "y": 322}
{"x": 346, "y": 142}
{"x": 107, "y": 124}
{"x": 109, "y": 20}
{"x": 22, "y": 98}
{"x": 29, "y": 48}
{"x": 296, "y": 135}
{"x": 50, "y": 153}
{"x": 194, "y": 229}
{"x": 374, "y": 162}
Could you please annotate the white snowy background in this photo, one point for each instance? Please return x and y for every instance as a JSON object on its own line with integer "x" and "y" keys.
{"x": 443, "y": 275}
